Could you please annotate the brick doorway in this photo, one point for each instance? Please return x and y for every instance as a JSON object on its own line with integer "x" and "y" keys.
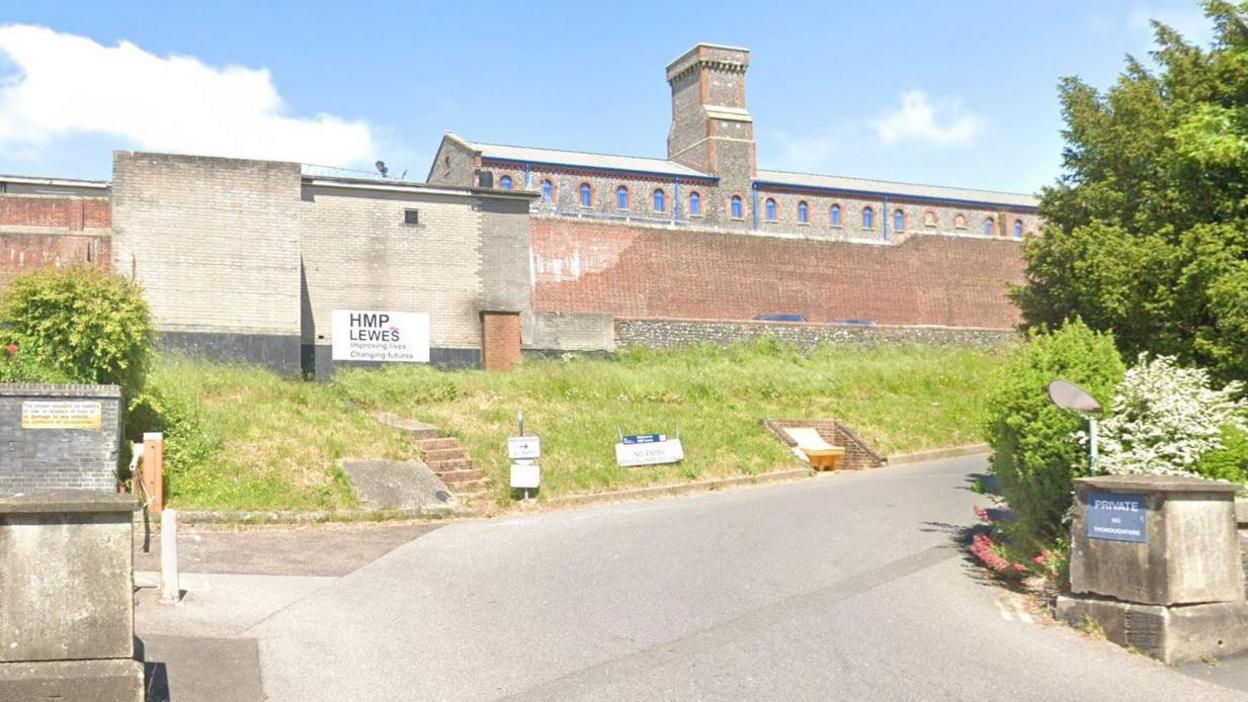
{"x": 500, "y": 340}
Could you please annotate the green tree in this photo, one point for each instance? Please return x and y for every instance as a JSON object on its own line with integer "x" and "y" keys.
{"x": 1147, "y": 228}
{"x": 85, "y": 324}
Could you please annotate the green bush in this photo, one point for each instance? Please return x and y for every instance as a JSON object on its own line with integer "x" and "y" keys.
{"x": 188, "y": 443}
{"x": 91, "y": 325}
{"x": 19, "y": 366}
{"x": 1229, "y": 463}
{"x": 1034, "y": 453}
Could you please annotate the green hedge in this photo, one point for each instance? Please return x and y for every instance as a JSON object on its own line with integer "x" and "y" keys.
{"x": 1035, "y": 455}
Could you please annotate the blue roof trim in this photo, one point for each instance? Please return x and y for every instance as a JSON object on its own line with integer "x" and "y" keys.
{"x": 599, "y": 169}
{"x": 882, "y": 194}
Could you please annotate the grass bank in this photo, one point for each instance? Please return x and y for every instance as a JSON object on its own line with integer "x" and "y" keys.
{"x": 274, "y": 443}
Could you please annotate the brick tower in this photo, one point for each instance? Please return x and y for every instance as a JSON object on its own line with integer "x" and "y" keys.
{"x": 711, "y": 129}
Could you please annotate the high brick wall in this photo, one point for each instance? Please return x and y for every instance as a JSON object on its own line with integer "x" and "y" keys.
{"x": 50, "y": 230}
{"x": 214, "y": 242}
{"x": 632, "y": 271}
{"x": 358, "y": 254}
{"x": 43, "y": 459}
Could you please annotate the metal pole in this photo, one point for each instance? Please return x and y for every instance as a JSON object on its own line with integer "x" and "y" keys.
{"x": 1092, "y": 447}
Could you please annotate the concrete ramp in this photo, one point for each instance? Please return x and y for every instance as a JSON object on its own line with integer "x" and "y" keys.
{"x": 396, "y": 484}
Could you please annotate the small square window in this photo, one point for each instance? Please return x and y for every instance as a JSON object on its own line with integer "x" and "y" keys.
{"x": 411, "y": 216}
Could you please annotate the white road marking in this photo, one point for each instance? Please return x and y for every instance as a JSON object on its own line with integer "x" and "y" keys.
{"x": 1005, "y": 613}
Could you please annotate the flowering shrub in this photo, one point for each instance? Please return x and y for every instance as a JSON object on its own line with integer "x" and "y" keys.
{"x": 18, "y": 366}
{"x": 988, "y": 553}
{"x": 1007, "y": 557}
{"x": 1165, "y": 419}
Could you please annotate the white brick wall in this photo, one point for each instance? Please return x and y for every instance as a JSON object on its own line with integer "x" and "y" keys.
{"x": 214, "y": 242}
{"x": 358, "y": 254}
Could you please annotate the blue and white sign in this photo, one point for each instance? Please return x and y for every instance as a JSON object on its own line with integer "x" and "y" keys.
{"x": 1117, "y": 517}
{"x": 643, "y": 438}
{"x": 649, "y": 453}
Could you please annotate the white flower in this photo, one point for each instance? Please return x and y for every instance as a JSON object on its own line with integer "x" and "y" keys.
{"x": 1165, "y": 418}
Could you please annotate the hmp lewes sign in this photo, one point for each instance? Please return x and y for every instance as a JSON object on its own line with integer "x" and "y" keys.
{"x": 370, "y": 335}
{"x": 1117, "y": 517}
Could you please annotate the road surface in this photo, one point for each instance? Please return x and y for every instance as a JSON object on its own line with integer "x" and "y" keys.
{"x": 844, "y": 587}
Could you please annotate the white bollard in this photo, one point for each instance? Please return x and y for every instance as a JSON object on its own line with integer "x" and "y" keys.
{"x": 169, "y": 590}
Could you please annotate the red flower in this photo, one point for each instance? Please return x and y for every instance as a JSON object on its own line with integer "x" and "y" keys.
{"x": 12, "y": 349}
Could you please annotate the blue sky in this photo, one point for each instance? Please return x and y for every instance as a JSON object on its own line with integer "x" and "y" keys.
{"x": 950, "y": 93}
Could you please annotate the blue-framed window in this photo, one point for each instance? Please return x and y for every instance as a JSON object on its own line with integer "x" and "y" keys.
{"x": 803, "y": 212}
{"x": 587, "y": 195}
{"x": 695, "y": 204}
{"x": 548, "y": 191}
{"x": 834, "y": 215}
{"x": 737, "y": 211}
{"x": 899, "y": 221}
{"x": 1018, "y": 229}
{"x": 505, "y": 182}
{"x": 660, "y": 201}
{"x": 621, "y": 198}
{"x": 990, "y": 227}
{"x": 868, "y": 218}
{"x": 770, "y": 209}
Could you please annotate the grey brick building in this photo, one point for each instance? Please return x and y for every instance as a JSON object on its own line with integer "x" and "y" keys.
{"x": 710, "y": 178}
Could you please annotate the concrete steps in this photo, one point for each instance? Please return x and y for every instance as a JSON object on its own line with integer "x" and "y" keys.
{"x": 445, "y": 457}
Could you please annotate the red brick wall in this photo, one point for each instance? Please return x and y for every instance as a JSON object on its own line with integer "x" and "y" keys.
{"x": 38, "y": 231}
{"x": 500, "y": 340}
{"x": 630, "y": 271}
{"x": 68, "y": 213}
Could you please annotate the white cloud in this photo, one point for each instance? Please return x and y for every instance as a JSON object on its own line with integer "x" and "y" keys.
{"x": 944, "y": 122}
{"x": 1190, "y": 22}
{"x": 67, "y": 85}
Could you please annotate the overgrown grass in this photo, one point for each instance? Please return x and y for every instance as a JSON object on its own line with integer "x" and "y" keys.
{"x": 280, "y": 439}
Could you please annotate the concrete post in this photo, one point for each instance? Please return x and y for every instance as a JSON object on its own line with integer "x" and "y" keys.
{"x": 170, "y": 590}
{"x": 1155, "y": 561}
{"x": 153, "y": 468}
{"x": 67, "y": 597}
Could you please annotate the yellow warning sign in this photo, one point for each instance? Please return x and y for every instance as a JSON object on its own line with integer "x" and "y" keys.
{"x": 70, "y": 414}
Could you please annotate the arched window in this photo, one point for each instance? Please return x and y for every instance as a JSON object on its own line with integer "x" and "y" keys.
{"x": 868, "y": 218}
{"x": 548, "y": 191}
{"x": 899, "y": 221}
{"x": 737, "y": 212}
{"x": 834, "y": 215}
{"x": 771, "y": 210}
{"x": 695, "y": 204}
{"x": 803, "y": 212}
{"x": 929, "y": 219}
{"x": 587, "y": 195}
{"x": 990, "y": 227}
{"x": 660, "y": 203}
{"x": 621, "y": 198}
{"x": 959, "y": 221}
{"x": 1018, "y": 229}
{"x": 505, "y": 182}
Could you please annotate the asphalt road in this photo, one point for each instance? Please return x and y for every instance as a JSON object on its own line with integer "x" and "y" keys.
{"x": 844, "y": 587}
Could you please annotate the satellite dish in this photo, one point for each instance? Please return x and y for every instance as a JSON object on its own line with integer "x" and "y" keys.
{"x": 1069, "y": 396}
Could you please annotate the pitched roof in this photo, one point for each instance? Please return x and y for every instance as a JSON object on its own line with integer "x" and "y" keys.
{"x": 585, "y": 159}
{"x": 885, "y": 187}
{"x": 664, "y": 167}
